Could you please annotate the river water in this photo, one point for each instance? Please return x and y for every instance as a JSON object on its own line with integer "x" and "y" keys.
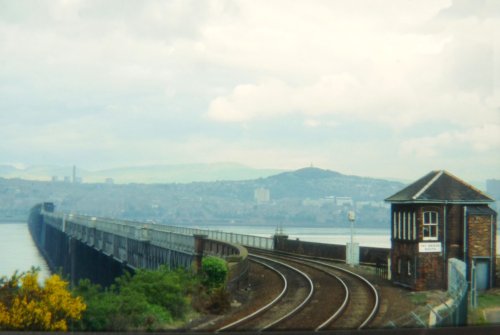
{"x": 372, "y": 237}
{"x": 18, "y": 251}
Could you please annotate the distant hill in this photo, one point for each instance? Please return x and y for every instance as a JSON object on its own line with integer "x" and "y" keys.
{"x": 317, "y": 183}
{"x": 302, "y": 197}
{"x": 178, "y": 173}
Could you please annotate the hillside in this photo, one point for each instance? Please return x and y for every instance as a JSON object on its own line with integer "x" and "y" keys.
{"x": 303, "y": 197}
{"x": 317, "y": 183}
{"x": 175, "y": 173}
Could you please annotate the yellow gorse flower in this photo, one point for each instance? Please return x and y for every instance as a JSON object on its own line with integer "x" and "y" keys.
{"x": 26, "y": 305}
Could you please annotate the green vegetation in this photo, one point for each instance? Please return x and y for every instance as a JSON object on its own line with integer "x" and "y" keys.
{"x": 488, "y": 299}
{"x": 214, "y": 272}
{"x": 214, "y": 298}
{"x": 153, "y": 300}
{"x": 418, "y": 298}
{"x": 148, "y": 300}
{"x": 27, "y": 305}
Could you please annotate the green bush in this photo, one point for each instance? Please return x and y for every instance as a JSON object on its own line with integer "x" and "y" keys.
{"x": 214, "y": 272}
{"x": 148, "y": 300}
{"x": 162, "y": 287}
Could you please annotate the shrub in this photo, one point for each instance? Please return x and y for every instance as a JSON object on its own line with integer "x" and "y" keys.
{"x": 26, "y": 305}
{"x": 214, "y": 272}
{"x": 148, "y": 300}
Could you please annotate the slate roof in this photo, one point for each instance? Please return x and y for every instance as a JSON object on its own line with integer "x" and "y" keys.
{"x": 481, "y": 210}
{"x": 438, "y": 187}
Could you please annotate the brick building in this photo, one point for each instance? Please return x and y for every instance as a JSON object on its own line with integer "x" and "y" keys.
{"x": 436, "y": 218}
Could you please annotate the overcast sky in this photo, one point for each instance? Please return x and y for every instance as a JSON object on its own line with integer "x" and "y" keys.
{"x": 372, "y": 88}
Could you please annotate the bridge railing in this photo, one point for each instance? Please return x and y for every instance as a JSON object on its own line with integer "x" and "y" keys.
{"x": 156, "y": 234}
{"x": 244, "y": 239}
{"x": 147, "y": 245}
{"x": 260, "y": 242}
{"x": 172, "y": 240}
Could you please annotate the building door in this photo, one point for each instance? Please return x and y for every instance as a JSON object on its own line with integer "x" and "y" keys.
{"x": 482, "y": 274}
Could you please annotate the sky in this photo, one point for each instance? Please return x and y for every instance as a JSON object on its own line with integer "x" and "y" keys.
{"x": 390, "y": 89}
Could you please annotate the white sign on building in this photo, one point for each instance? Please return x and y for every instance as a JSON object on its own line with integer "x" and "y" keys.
{"x": 429, "y": 247}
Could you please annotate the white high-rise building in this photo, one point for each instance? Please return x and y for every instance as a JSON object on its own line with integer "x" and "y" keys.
{"x": 262, "y": 195}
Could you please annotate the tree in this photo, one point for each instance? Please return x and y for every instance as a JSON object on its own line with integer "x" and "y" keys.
{"x": 214, "y": 277}
{"x": 26, "y": 305}
{"x": 214, "y": 271}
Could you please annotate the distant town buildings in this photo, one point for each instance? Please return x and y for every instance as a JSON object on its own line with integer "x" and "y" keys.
{"x": 109, "y": 181}
{"x": 344, "y": 201}
{"x": 318, "y": 202}
{"x": 376, "y": 204}
{"x": 67, "y": 179}
{"x": 262, "y": 195}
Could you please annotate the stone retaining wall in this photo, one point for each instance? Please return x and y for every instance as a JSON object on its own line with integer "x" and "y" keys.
{"x": 236, "y": 257}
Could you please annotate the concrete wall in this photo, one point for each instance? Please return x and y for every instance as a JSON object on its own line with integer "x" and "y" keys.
{"x": 236, "y": 257}
{"x": 367, "y": 255}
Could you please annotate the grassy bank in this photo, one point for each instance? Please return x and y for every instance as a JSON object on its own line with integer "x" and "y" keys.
{"x": 486, "y": 300}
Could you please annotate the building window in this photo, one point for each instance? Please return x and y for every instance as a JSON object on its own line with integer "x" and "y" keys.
{"x": 409, "y": 268}
{"x": 430, "y": 225}
{"x": 399, "y": 265}
{"x": 399, "y": 225}
{"x": 394, "y": 226}
{"x": 415, "y": 226}
{"x": 410, "y": 237}
{"x": 404, "y": 225}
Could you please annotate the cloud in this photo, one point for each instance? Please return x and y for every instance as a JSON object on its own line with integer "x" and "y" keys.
{"x": 320, "y": 122}
{"x": 277, "y": 82}
{"x": 483, "y": 139}
{"x": 347, "y": 97}
{"x": 401, "y": 75}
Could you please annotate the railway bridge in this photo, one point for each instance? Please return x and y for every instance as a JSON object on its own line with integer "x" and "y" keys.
{"x": 296, "y": 285}
{"x": 101, "y": 249}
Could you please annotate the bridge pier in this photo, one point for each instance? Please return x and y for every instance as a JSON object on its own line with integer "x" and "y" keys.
{"x": 199, "y": 247}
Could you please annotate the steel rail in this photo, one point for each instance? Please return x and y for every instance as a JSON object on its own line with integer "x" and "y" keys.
{"x": 341, "y": 308}
{"x": 344, "y": 285}
{"x": 266, "y": 307}
{"x": 363, "y": 279}
{"x": 301, "y": 305}
{"x": 275, "y": 301}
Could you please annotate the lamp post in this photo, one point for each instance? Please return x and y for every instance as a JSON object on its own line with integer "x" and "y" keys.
{"x": 352, "y": 259}
{"x": 352, "y": 217}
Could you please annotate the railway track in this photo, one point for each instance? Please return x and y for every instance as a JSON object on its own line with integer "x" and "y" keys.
{"x": 297, "y": 290}
{"x": 337, "y": 298}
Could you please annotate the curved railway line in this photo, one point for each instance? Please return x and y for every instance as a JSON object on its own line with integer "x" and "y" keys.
{"x": 298, "y": 289}
{"x": 336, "y": 298}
